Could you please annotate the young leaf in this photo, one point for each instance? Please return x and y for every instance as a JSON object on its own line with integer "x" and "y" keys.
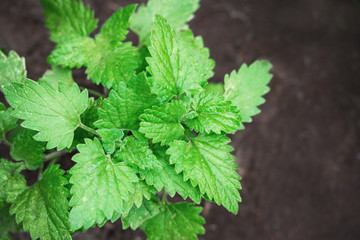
{"x": 66, "y": 19}
{"x": 57, "y": 74}
{"x": 12, "y": 183}
{"x": 54, "y": 113}
{"x": 136, "y": 153}
{"x": 177, "y": 12}
{"x": 12, "y": 69}
{"x": 116, "y": 27}
{"x": 213, "y": 113}
{"x": 109, "y": 137}
{"x": 7, "y": 122}
{"x": 177, "y": 65}
{"x": 99, "y": 186}
{"x": 7, "y": 222}
{"x": 206, "y": 161}
{"x": 123, "y": 106}
{"x": 26, "y": 148}
{"x": 175, "y": 221}
{"x": 138, "y": 215}
{"x": 246, "y": 87}
{"x": 162, "y": 123}
{"x": 166, "y": 176}
{"x": 43, "y": 208}
{"x": 215, "y": 87}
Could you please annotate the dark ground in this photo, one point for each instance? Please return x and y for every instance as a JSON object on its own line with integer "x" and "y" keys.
{"x": 300, "y": 159}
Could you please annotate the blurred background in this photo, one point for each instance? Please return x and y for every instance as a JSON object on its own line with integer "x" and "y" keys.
{"x": 300, "y": 158}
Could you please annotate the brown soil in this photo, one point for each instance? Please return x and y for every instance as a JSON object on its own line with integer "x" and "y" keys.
{"x": 300, "y": 159}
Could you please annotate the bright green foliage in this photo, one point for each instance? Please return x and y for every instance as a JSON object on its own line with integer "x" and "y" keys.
{"x": 213, "y": 113}
{"x": 66, "y": 19}
{"x": 11, "y": 182}
{"x": 177, "y": 12}
{"x": 138, "y": 215}
{"x": 99, "y": 185}
{"x": 136, "y": 153}
{"x": 123, "y": 106}
{"x": 174, "y": 63}
{"x": 54, "y": 113}
{"x": 206, "y": 161}
{"x": 12, "y": 69}
{"x": 175, "y": 221}
{"x": 7, "y": 122}
{"x": 24, "y": 147}
{"x": 166, "y": 177}
{"x": 154, "y": 129}
{"x": 57, "y": 74}
{"x": 162, "y": 123}
{"x": 109, "y": 137}
{"x": 43, "y": 208}
{"x": 246, "y": 87}
{"x": 7, "y": 222}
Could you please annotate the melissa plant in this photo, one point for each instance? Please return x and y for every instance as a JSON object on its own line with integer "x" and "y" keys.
{"x": 159, "y": 129}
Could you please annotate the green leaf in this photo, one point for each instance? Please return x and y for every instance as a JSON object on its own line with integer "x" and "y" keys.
{"x": 166, "y": 176}
{"x": 136, "y": 153}
{"x": 7, "y": 223}
{"x": 114, "y": 66}
{"x": 75, "y": 52}
{"x": 66, "y": 19}
{"x": 43, "y": 208}
{"x": 246, "y": 87}
{"x": 7, "y": 122}
{"x": 162, "y": 123}
{"x": 99, "y": 186}
{"x": 12, "y": 69}
{"x": 12, "y": 183}
{"x": 123, "y": 106}
{"x": 54, "y": 113}
{"x": 142, "y": 191}
{"x": 175, "y": 221}
{"x": 138, "y": 215}
{"x": 26, "y": 148}
{"x": 178, "y": 65}
{"x": 215, "y": 87}
{"x": 116, "y": 27}
{"x": 109, "y": 138}
{"x": 57, "y": 74}
{"x": 177, "y": 12}
{"x": 206, "y": 161}
{"x": 213, "y": 113}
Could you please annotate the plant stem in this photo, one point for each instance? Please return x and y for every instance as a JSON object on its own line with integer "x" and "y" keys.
{"x": 54, "y": 155}
{"x": 7, "y": 143}
{"x": 164, "y": 194}
{"x": 89, "y": 129}
{"x": 93, "y": 92}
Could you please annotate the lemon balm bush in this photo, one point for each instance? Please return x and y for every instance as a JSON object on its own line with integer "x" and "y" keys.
{"x": 160, "y": 131}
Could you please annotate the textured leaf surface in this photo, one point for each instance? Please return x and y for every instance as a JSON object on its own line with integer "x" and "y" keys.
{"x": 57, "y": 74}
{"x": 54, "y": 113}
{"x": 162, "y": 123}
{"x": 109, "y": 137}
{"x": 43, "y": 208}
{"x": 113, "y": 65}
{"x": 175, "y": 221}
{"x": 7, "y": 223}
{"x": 12, "y": 183}
{"x": 12, "y": 69}
{"x": 213, "y": 113}
{"x": 26, "y": 148}
{"x": 177, "y": 65}
{"x": 123, "y": 106}
{"x": 7, "y": 122}
{"x": 138, "y": 215}
{"x": 166, "y": 176}
{"x": 177, "y": 12}
{"x": 206, "y": 161}
{"x": 215, "y": 87}
{"x": 99, "y": 186}
{"x": 136, "y": 153}
{"x": 246, "y": 87}
{"x": 66, "y": 19}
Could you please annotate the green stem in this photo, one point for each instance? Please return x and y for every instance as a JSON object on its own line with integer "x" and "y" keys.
{"x": 164, "y": 194}
{"x": 89, "y": 129}
{"x": 54, "y": 155}
{"x": 93, "y": 92}
{"x": 7, "y": 143}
